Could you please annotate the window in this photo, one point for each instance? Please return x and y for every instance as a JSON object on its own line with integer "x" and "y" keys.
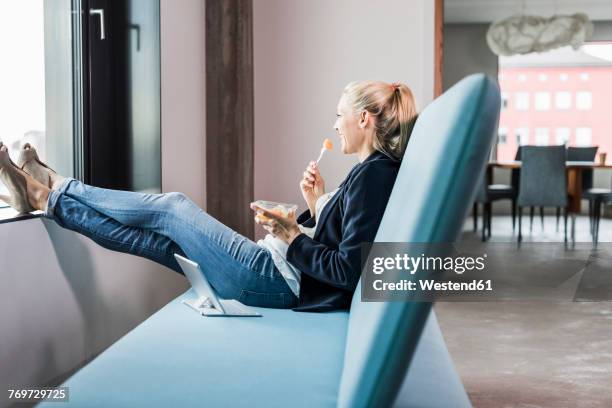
{"x": 563, "y": 100}
{"x": 504, "y": 101}
{"x": 123, "y": 136}
{"x": 42, "y": 85}
{"x": 502, "y": 136}
{"x": 562, "y": 135}
{"x": 583, "y": 100}
{"x": 521, "y": 101}
{"x": 522, "y": 136}
{"x": 562, "y": 91}
{"x": 583, "y": 136}
{"x": 541, "y": 136}
{"x": 542, "y": 101}
{"x": 22, "y": 77}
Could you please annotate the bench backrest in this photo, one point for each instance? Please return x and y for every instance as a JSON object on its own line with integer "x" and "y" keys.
{"x": 434, "y": 189}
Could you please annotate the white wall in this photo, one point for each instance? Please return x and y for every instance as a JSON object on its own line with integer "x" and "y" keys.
{"x": 466, "y": 52}
{"x": 63, "y": 298}
{"x": 305, "y": 52}
{"x": 183, "y": 51}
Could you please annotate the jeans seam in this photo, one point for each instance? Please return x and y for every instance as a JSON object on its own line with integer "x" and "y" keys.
{"x": 116, "y": 241}
{"x": 144, "y": 247}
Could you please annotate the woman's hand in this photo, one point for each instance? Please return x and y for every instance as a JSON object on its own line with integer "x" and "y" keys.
{"x": 312, "y": 186}
{"x": 284, "y": 228}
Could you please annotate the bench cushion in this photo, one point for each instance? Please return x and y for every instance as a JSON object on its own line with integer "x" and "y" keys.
{"x": 178, "y": 358}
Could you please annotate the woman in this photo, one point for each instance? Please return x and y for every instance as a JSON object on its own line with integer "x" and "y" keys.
{"x": 311, "y": 263}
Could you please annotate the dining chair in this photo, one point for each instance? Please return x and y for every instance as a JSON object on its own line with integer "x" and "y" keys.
{"x": 597, "y": 198}
{"x": 585, "y": 154}
{"x": 515, "y": 177}
{"x": 486, "y": 195}
{"x": 543, "y": 181}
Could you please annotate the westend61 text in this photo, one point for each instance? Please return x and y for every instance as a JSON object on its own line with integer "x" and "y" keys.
{"x": 430, "y": 284}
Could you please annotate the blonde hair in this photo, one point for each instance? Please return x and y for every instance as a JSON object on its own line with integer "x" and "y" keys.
{"x": 393, "y": 108}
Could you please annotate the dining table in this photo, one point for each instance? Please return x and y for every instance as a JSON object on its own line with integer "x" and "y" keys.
{"x": 574, "y": 177}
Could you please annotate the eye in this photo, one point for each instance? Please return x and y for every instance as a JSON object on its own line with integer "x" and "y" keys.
{"x": 337, "y": 115}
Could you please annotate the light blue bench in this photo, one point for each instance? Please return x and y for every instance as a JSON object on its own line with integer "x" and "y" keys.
{"x": 376, "y": 355}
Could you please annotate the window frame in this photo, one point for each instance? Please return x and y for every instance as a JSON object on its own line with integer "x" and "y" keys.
{"x": 521, "y": 133}
{"x": 542, "y": 132}
{"x": 522, "y": 101}
{"x": 59, "y": 77}
{"x": 542, "y": 101}
{"x": 578, "y": 135}
{"x": 558, "y": 99}
{"x": 581, "y": 98}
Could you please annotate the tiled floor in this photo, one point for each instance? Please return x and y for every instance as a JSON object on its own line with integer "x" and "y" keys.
{"x": 533, "y": 354}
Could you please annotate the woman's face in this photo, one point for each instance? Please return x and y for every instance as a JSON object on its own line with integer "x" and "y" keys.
{"x": 347, "y": 126}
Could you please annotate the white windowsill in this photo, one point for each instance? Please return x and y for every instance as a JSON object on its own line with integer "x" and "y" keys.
{"x": 7, "y": 214}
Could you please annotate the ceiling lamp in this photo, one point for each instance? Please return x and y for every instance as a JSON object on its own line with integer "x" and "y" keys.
{"x": 523, "y": 34}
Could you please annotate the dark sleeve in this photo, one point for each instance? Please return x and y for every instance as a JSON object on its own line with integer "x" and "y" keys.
{"x": 341, "y": 267}
{"x": 306, "y": 219}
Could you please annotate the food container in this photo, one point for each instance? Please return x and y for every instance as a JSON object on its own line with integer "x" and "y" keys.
{"x": 282, "y": 209}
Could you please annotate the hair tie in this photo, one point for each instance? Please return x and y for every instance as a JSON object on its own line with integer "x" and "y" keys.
{"x": 395, "y": 86}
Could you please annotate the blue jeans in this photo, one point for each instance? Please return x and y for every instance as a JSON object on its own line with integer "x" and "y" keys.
{"x": 156, "y": 226}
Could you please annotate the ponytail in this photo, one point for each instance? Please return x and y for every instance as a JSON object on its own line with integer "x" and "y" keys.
{"x": 393, "y": 108}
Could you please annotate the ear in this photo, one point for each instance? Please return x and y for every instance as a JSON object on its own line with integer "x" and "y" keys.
{"x": 364, "y": 118}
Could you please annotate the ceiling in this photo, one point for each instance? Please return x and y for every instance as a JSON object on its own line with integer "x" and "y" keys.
{"x": 486, "y": 11}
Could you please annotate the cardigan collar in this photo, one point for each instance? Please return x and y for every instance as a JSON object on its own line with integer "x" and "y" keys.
{"x": 373, "y": 156}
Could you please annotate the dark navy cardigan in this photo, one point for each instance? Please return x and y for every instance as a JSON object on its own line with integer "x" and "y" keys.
{"x": 331, "y": 261}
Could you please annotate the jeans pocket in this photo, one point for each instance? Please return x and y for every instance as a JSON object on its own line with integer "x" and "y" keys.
{"x": 270, "y": 300}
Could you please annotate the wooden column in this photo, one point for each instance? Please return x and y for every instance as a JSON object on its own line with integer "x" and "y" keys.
{"x": 229, "y": 113}
{"x": 438, "y": 46}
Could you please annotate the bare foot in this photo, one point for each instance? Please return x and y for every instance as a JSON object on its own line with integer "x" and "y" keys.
{"x": 27, "y": 194}
{"x": 30, "y": 163}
